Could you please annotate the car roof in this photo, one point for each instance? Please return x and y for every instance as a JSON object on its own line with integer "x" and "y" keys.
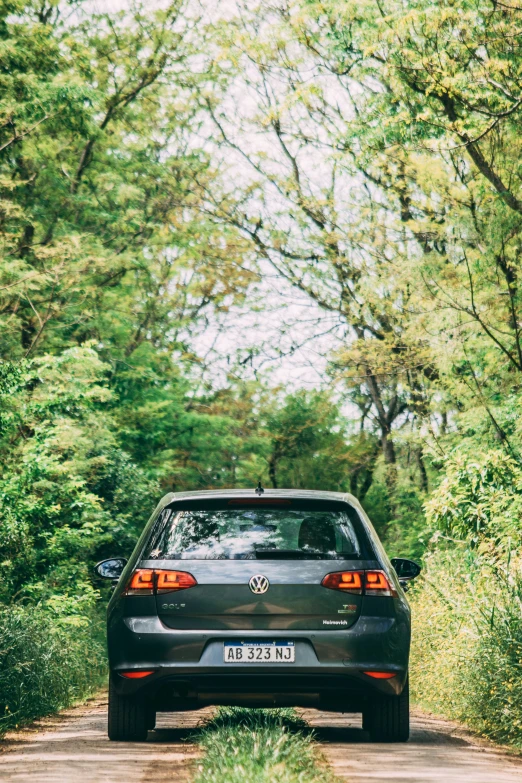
{"x": 310, "y": 494}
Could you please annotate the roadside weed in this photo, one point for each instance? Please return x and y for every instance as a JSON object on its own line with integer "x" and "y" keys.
{"x": 467, "y": 642}
{"x": 46, "y": 664}
{"x": 261, "y": 746}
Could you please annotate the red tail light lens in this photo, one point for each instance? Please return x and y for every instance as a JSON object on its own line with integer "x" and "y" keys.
{"x": 142, "y": 582}
{"x": 359, "y": 582}
{"x": 348, "y": 581}
{"x": 167, "y": 581}
{"x": 135, "y": 675}
{"x": 377, "y": 583}
{"x": 148, "y": 581}
{"x": 380, "y": 675}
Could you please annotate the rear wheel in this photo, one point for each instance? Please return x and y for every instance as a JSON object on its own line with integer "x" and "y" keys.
{"x": 387, "y": 718}
{"x": 128, "y": 717}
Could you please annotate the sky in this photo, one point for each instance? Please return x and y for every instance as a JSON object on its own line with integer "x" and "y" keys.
{"x": 286, "y": 343}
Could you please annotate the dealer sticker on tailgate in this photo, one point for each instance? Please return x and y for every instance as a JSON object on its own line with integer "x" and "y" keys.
{"x": 258, "y": 652}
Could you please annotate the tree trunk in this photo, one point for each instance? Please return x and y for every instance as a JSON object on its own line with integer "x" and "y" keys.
{"x": 365, "y": 486}
{"x": 419, "y": 458}
{"x": 390, "y": 462}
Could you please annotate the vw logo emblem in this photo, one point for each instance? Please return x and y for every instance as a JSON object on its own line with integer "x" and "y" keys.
{"x": 259, "y": 584}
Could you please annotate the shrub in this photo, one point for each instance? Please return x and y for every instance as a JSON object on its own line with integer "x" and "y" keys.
{"x": 467, "y": 641}
{"x": 50, "y": 656}
{"x": 479, "y": 499}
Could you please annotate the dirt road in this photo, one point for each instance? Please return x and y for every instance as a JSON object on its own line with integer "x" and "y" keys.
{"x": 73, "y": 748}
{"x": 438, "y": 752}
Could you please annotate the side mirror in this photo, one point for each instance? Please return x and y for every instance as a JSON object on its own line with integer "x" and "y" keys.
{"x": 111, "y": 568}
{"x": 406, "y": 569}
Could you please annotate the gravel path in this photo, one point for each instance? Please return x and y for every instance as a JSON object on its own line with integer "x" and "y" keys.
{"x": 437, "y": 752}
{"x": 73, "y": 747}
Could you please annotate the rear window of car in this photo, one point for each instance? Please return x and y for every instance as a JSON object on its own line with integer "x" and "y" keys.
{"x": 254, "y": 533}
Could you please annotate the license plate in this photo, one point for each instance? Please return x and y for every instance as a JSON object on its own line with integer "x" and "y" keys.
{"x": 259, "y": 652}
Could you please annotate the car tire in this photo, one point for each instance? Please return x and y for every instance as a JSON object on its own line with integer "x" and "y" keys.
{"x": 387, "y": 718}
{"x": 128, "y": 717}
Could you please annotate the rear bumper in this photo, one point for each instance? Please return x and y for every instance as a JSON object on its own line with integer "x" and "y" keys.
{"x": 346, "y": 692}
{"x": 189, "y": 670}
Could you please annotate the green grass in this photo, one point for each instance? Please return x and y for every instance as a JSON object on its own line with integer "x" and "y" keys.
{"x": 46, "y": 663}
{"x": 259, "y": 746}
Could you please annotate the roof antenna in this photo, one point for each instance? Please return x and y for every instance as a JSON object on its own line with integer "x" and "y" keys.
{"x": 259, "y": 489}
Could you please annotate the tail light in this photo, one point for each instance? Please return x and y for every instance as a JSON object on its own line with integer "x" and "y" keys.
{"x": 167, "y": 581}
{"x": 148, "y": 581}
{"x": 377, "y": 583}
{"x": 141, "y": 583}
{"x": 134, "y": 675}
{"x": 380, "y": 675}
{"x": 348, "y": 581}
{"x": 359, "y": 582}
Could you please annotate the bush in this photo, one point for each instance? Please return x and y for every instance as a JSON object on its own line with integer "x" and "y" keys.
{"x": 467, "y": 641}
{"x": 49, "y": 658}
{"x": 479, "y": 499}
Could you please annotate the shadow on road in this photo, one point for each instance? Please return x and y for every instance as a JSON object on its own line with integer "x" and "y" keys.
{"x": 329, "y": 734}
{"x": 323, "y": 734}
{"x": 171, "y": 735}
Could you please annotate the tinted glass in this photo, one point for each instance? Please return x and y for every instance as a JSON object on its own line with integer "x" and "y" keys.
{"x": 253, "y": 534}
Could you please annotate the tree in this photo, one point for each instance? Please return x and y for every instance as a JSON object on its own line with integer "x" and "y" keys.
{"x": 308, "y": 444}
{"x": 99, "y": 233}
{"x": 329, "y": 226}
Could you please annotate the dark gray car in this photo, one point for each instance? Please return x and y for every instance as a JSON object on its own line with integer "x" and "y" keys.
{"x": 259, "y": 598}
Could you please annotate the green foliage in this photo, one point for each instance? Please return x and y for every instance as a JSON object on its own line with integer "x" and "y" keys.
{"x": 261, "y": 745}
{"x": 479, "y": 499}
{"x": 102, "y": 233}
{"x": 467, "y": 641}
{"x": 467, "y": 651}
{"x": 405, "y": 532}
{"x": 309, "y": 444}
{"x": 67, "y": 489}
{"x": 51, "y": 654}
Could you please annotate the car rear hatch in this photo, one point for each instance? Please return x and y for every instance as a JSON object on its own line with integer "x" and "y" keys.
{"x": 223, "y": 598}
{"x": 258, "y": 566}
